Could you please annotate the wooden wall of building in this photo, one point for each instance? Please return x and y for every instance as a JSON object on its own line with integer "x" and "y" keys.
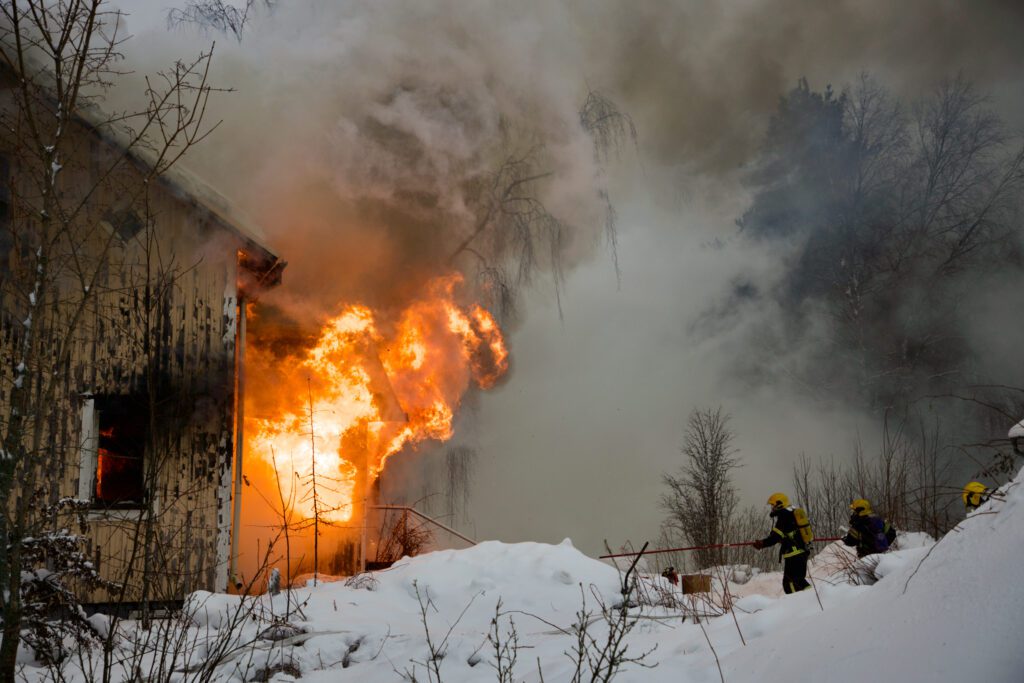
{"x": 160, "y": 326}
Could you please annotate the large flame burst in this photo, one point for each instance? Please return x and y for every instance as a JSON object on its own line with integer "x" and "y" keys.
{"x": 362, "y": 394}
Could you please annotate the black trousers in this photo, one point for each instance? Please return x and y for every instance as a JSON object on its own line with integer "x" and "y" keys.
{"x": 794, "y": 573}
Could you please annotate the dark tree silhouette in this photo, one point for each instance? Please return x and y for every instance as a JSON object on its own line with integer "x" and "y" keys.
{"x": 895, "y": 215}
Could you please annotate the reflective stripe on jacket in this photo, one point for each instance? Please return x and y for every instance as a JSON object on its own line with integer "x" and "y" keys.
{"x": 786, "y": 533}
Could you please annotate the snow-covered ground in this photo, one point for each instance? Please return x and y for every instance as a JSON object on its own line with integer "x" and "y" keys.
{"x": 951, "y": 611}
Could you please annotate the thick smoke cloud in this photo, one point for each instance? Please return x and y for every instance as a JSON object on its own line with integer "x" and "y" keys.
{"x": 365, "y": 128}
{"x": 702, "y": 77}
{"x": 357, "y": 131}
{"x": 365, "y": 137}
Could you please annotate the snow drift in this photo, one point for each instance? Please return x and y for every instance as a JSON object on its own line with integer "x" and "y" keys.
{"x": 946, "y": 611}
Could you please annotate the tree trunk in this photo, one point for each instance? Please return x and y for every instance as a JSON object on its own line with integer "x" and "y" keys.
{"x": 12, "y": 618}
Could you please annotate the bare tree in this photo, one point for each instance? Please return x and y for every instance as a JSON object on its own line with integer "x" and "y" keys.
{"x": 58, "y": 60}
{"x": 822, "y": 488}
{"x": 701, "y": 498}
{"x": 911, "y": 481}
{"x": 743, "y": 525}
{"x": 898, "y": 213}
{"x": 218, "y": 15}
{"x": 508, "y": 233}
{"x": 514, "y": 233}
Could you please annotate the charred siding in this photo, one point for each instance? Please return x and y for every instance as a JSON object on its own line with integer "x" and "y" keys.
{"x": 158, "y": 328}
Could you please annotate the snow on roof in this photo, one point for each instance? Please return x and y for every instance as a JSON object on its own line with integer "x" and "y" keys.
{"x": 1017, "y": 430}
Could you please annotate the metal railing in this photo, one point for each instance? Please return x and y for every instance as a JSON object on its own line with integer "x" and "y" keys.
{"x": 425, "y": 518}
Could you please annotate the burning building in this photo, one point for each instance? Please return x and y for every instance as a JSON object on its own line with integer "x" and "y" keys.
{"x": 122, "y": 337}
{"x": 325, "y": 411}
{"x": 194, "y": 453}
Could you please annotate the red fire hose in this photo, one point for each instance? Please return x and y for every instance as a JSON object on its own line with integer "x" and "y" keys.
{"x": 695, "y": 547}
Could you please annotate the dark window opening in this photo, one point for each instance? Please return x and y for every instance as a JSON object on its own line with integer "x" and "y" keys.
{"x": 126, "y": 223}
{"x": 122, "y": 427}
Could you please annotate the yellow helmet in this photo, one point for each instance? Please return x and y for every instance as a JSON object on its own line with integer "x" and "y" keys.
{"x": 861, "y": 507}
{"x": 973, "y": 492}
{"x": 778, "y": 500}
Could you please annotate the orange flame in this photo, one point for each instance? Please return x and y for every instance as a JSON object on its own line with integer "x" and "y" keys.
{"x": 365, "y": 391}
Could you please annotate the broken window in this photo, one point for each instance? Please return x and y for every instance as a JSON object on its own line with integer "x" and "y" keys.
{"x": 115, "y": 450}
{"x": 125, "y": 222}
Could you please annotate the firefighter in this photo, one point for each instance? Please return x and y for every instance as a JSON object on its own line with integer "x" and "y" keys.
{"x": 671, "y": 575}
{"x": 975, "y": 494}
{"x": 792, "y": 549}
{"x": 869, "y": 532}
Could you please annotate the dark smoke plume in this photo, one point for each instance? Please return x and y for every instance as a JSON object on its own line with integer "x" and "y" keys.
{"x": 359, "y": 133}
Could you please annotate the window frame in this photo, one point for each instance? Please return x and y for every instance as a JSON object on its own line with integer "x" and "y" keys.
{"x": 89, "y": 465}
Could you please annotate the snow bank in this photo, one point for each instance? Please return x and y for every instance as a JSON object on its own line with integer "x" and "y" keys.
{"x": 950, "y": 611}
{"x": 953, "y": 611}
{"x": 460, "y": 590}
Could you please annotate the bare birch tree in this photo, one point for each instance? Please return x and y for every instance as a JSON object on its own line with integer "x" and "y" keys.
{"x": 218, "y": 15}
{"x": 57, "y": 62}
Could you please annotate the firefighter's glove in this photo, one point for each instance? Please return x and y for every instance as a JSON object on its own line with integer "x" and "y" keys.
{"x": 758, "y": 544}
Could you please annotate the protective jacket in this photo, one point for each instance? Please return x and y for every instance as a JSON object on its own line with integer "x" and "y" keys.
{"x": 786, "y": 533}
{"x": 870, "y": 533}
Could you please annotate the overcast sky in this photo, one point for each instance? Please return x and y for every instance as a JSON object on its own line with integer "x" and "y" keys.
{"x": 574, "y": 443}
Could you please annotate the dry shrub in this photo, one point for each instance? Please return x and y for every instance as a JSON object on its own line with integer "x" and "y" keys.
{"x": 403, "y": 538}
